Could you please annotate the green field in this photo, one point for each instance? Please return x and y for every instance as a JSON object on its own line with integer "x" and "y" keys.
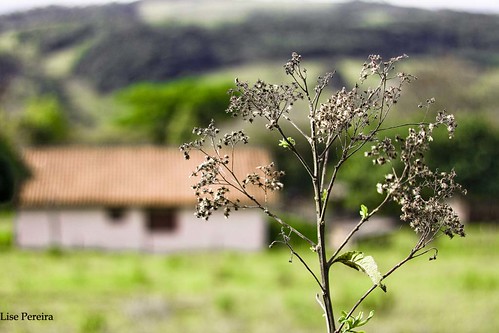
{"x": 256, "y": 292}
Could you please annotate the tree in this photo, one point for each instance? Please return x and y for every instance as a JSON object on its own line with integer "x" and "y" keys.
{"x": 163, "y": 114}
{"x": 9, "y": 68}
{"x": 44, "y": 121}
{"x": 138, "y": 52}
{"x": 348, "y": 123}
{"x": 13, "y": 171}
{"x": 475, "y": 157}
{"x": 471, "y": 160}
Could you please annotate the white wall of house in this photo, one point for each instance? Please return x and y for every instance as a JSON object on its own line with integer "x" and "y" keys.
{"x": 244, "y": 230}
{"x": 95, "y": 228}
{"x": 83, "y": 228}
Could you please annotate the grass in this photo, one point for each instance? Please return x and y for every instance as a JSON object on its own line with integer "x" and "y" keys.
{"x": 255, "y": 292}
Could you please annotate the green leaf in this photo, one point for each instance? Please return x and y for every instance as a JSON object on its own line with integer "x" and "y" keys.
{"x": 358, "y": 261}
{"x": 324, "y": 195}
{"x": 287, "y": 143}
{"x": 349, "y": 323}
{"x": 364, "y": 212}
{"x": 365, "y": 321}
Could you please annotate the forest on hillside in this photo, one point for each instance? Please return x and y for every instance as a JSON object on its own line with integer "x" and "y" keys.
{"x": 111, "y": 75}
{"x": 118, "y": 47}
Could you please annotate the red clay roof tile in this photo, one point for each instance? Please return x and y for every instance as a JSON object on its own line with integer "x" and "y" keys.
{"x": 118, "y": 176}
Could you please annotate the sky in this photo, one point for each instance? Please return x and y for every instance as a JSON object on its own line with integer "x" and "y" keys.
{"x": 482, "y": 6}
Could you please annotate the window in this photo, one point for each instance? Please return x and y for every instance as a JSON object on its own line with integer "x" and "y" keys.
{"x": 116, "y": 214}
{"x": 162, "y": 220}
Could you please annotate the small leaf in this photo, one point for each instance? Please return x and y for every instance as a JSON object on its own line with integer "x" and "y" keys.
{"x": 358, "y": 261}
{"x": 349, "y": 323}
{"x": 363, "y": 322}
{"x": 364, "y": 212}
{"x": 287, "y": 143}
{"x": 324, "y": 195}
{"x": 283, "y": 143}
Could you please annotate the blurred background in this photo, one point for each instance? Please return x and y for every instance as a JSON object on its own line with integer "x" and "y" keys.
{"x": 144, "y": 73}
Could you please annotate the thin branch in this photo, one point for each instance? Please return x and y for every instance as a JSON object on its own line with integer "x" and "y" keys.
{"x": 426, "y": 251}
{"x": 401, "y": 126}
{"x": 331, "y": 183}
{"x": 324, "y": 158}
{"x": 321, "y": 305}
{"x": 329, "y": 144}
{"x": 356, "y": 228}
{"x": 304, "y": 264}
{"x": 284, "y": 224}
{"x": 296, "y": 127}
{"x": 303, "y": 87}
{"x": 295, "y": 152}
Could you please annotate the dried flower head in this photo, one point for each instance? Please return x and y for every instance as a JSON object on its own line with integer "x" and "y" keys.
{"x": 262, "y": 100}
{"x": 219, "y": 186}
{"x": 421, "y": 192}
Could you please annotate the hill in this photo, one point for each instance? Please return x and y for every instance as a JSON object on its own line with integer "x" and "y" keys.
{"x": 115, "y": 45}
{"x": 75, "y": 59}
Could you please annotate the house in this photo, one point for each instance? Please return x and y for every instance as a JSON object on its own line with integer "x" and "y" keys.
{"x": 127, "y": 198}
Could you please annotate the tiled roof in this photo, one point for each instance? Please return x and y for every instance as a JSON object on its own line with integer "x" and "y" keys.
{"x": 117, "y": 176}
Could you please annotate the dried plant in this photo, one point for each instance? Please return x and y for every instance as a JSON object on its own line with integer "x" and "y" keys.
{"x": 347, "y": 123}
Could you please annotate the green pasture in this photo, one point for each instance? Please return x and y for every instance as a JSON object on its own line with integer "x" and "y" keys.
{"x": 89, "y": 291}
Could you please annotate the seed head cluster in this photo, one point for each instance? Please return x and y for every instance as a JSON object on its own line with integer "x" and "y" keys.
{"x": 349, "y": 120}
{"x": 421, "y": 192}
{"x": 262, "y": 100}
{"x": 216, "y": 178}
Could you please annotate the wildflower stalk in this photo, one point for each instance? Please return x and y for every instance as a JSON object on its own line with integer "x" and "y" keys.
{"x": 348, "y": 122}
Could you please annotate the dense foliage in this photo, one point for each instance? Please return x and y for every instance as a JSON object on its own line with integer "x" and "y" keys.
{"x": 44, "y": 122}
{"x": 55, "y": 16}
{"x": 142, "y": 53}
{"x": 168, "y": 51}
{"x": 474, "y": 155}
{"x": 164, "y": 113}
{"x": 12, "y": 171}
{"x": 9, "y": 68}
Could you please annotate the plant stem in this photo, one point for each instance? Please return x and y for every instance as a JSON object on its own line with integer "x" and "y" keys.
{"x": 326, "y": 291}
{"x": 321, "y": 246}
